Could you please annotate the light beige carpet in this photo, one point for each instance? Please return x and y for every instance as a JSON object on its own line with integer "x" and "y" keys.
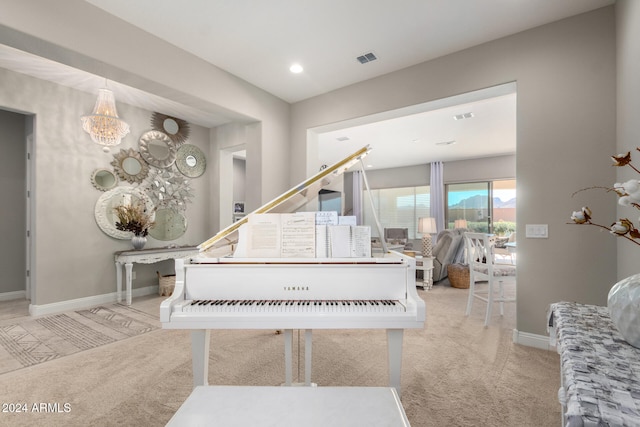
{"x": 28, "y": 342}
{"x": 455, "y": 372}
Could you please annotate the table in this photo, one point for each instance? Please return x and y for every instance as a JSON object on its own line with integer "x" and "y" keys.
{"x": 599, "y": 370}
{"x": 425, "y": 264}
{"x": 291, "y": 406}
{"x": 145, "y": 256}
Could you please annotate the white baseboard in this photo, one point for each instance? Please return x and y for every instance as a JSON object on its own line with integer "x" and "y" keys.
{"x": 532, "y": 340}
{"x": 8, "y": 296}
{"x": 80, "y": 303}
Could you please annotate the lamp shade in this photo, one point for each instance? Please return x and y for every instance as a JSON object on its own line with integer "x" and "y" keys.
{"x": 460, "y": 223}
{"x": 427, "y": 225}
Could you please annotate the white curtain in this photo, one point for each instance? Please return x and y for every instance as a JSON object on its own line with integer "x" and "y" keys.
{"x": 357, "y": 196}
{"x": 436, "y": 189}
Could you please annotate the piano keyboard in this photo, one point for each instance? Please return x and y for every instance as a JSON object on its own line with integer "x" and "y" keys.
{"x": 293, "y": 306}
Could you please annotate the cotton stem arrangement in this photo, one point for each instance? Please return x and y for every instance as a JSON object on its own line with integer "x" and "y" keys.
{"x": 628, "y": 195}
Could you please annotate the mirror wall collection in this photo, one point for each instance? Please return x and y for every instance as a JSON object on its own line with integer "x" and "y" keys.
{"x": 157, "y": 174}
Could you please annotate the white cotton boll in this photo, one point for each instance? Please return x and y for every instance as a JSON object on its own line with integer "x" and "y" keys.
{"x": 631, "y": 186}
{"x": 624, "y": 201}
{"x": 635, "y": 196}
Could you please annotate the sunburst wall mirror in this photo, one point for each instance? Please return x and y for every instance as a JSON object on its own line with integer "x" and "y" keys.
{"x": 175, "y": 128}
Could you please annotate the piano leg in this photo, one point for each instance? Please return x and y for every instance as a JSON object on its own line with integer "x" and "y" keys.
{"x": 200, "y": 339}
{"x": 307, "y": 356}
{"x": 288, "y": 356}
{"x": 288, "y": 364}
{"x": 394, "y": 350}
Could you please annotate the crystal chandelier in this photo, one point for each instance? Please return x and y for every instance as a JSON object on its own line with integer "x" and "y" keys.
{"x": 103, "y": 125}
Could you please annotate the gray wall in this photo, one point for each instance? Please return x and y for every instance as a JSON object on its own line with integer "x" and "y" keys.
{"x": 628, "y": 125}
{"x": 13, "y": 213}
{"x": 565, "y": 76}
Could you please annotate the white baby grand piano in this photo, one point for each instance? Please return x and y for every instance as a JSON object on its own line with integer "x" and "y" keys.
{"x": 218, "y": 290}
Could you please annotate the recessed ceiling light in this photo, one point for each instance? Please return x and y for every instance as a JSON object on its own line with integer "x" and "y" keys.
{"x": 296, "y": 69}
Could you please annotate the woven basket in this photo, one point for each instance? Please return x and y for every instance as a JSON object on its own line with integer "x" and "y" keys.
{"x": 166, "y": 284}
{"x": 458, "y": 275}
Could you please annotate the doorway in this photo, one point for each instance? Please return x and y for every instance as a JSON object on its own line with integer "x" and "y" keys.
{"x": 15, "y": 142}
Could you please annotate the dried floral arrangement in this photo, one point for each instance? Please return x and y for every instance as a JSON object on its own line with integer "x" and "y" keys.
{"x": 134, "y": 218}
{"x": 628, "y": 195}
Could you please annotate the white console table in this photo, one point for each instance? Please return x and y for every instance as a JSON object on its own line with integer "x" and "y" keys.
{"x": 144, "y": 256}
{"x": 291, "y": 407}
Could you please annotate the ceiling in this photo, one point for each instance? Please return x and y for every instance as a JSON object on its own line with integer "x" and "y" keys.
{"x": 259, "y": 40}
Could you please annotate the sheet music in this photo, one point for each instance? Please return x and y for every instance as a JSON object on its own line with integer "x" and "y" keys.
{"x": 264, "y": 236}
{"x": 322, "y": 241}
{"x": 298, "y": 235}
{"x": 347, "y": 220}
{"x": 327, "y": 218}
{"x": 361, "y": 241}
{"x": 340, "y": 241}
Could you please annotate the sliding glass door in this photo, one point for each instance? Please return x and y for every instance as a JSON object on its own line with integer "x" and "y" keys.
{"x": 470, "y": 202}
{"x": 487, "y": 206}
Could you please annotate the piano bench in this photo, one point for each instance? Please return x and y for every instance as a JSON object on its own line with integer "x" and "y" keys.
{"x": 291, "y": 406}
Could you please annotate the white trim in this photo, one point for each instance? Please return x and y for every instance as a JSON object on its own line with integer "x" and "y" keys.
{"x": 79, "y": 303}
{"x": 8, "y": 296}
{"x": 532, "y": 340}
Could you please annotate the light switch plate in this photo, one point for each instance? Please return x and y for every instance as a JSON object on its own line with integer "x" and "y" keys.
{"x": 537, "y": 231}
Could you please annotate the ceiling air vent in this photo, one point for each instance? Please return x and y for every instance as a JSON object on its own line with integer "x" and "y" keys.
{"x": 367, "y": 57}
{"x": 463, "y": 116}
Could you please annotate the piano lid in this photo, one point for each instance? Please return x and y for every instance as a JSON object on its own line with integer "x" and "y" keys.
{"x": 288, "y": 202}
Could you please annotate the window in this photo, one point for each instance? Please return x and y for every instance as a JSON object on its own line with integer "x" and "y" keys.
{"x": 397, "y": 208}
{"x": 488, "y": 207}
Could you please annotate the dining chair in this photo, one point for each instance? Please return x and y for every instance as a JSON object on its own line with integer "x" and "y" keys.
{"x": 482, "y": 267}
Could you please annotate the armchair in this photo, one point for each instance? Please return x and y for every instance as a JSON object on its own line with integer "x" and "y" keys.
{"x": 398, "y": 236}
{"x": 449, "y": 249}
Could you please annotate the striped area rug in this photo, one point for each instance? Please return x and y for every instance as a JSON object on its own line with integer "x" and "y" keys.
{"x": 38, "y": 340}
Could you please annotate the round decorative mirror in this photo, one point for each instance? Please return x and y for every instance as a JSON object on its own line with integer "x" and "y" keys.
{"x": 157, "y": 149}
{"x": 129, "y": 166}
{"x": 177, "y": 129}
{"x": 170, "y": 126}
{"x": 104, "y": 179}
{"x": 105, "y": 215}
{"x": 169, "y": 225}
{"x": 190, "y": 161}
